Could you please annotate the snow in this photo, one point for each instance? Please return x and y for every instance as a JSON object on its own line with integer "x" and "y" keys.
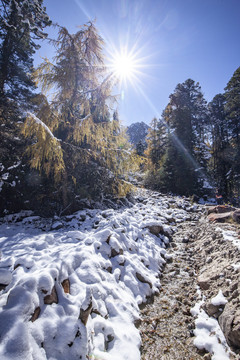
{"x": 219, "y": 299}
{"x": 5, "y": 276}
{"x": 41, "y": 123}
{"x": 112, "y": 262}
{"x": 15, "y": 165}
{"x": 236, "y": 267}
{"x": 5, "y": 176}
{"x": 208, "y": 334}
{"x": 229, "y": 235}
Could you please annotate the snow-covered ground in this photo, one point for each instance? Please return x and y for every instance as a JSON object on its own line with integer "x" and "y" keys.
{"x": 208, "y": 334}
{"x": 73, "y": 291}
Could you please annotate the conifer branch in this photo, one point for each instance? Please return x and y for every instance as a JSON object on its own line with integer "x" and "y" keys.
{"x": 40, "y": 122}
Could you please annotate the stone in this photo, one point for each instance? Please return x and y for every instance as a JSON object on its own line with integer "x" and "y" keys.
{"x": 229, "y": 322}
{"x": 143, "y": 280}
{"x": 51, "y": 298}
{"x": 219, "y": 209}
{"x": 220, "y": 217}
{"x": 66, "y": 286}
{"x": 213, "y": 310}
{"x": 204, "y": 282}
{"x": 236, "y": 216}
{"x": 109, "y": 269}
{"x": 224, "y": 208}
{"x": 115, "y": 252}
{"x": 84, "y": 313}
{"x": 210, "y": 209}
{"x": 36, "y": 314}
{"x": 209, "y": 260}
{"x": 56, "y": 225}
{"x": 155, "y": 229}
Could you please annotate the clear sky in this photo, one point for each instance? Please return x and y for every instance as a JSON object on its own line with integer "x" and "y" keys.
{"x": 173, "y": 40}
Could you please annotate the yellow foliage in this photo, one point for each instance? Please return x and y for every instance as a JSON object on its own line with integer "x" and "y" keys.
{"x": 45, "y": 152}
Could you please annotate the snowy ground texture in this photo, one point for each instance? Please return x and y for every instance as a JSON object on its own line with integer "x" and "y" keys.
{"x": 72, "y": 289}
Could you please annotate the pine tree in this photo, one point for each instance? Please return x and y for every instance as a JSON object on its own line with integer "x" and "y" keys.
{"x": 21, "y": 24}
{"x": 186, "y": 117}
{"x": 220, "y": 161}
{"x": 156, "y": 140}
{"x": 156, "y": 147}
{"x": 232, "y": 109}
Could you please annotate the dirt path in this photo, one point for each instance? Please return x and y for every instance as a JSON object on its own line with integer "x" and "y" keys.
{"x": 166, "y": 326}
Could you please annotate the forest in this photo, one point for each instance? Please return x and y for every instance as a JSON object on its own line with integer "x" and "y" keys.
{"x": 62, "y": 143}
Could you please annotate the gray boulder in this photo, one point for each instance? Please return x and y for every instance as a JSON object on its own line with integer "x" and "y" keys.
{"x": 229, "y": 322}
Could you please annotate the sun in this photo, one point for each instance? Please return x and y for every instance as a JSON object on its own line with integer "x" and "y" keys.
{"x": 124, "y": 65}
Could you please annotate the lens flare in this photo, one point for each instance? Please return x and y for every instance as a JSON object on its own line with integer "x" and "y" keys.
{"x": 124, "y": 66}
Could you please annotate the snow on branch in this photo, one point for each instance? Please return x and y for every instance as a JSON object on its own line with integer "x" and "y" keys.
{"x": 40, "y": 122}
{"x": 83, "y": 119}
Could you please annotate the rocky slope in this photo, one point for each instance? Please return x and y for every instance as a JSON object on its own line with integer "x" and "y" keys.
{"x": 204, "y": 274}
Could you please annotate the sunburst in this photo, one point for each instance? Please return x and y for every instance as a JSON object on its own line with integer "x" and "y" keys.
{"x": 125, "y": 66}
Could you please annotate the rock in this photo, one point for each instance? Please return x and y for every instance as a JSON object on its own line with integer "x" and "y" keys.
{"x": 220, "y": 217}
{"x": 219, "y": 209}
{"x": 204, "y": 282}
{"x": 209, "y": 260}
{"x": 36, "y": 314}
{"x": 115, "y": 252}
{"x": 213, "y": 310}
{"x": 52, "y": 298}
{"x": 222, "y": 213}
{"x": 84, "y": 313}
{"x": 155, "y": 229}
{"x": 56, "y": 225}
{"x": 143, "y": 280}
{"x": 236, "y": 216}
{"x": 109, "y": 269}
{"x": 229, "y": 322}
{"x": 235, "y": 294}
{"x": 87, "y": 307}
{"x": 66, "y": 286}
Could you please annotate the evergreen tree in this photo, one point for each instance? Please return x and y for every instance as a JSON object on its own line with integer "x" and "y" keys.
{"x": 156, "y": 147}
{"x": 186, "y": 116}
{"x": 232, "y": 108}
{"x": 21, "y": 24}
{"x": 220, "y": 161}
{"x": 156, "y": 140}
{"x": 140, "y": 148}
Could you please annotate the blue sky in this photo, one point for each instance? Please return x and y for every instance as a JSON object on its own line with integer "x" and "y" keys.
{"x": 173, "y": 40}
